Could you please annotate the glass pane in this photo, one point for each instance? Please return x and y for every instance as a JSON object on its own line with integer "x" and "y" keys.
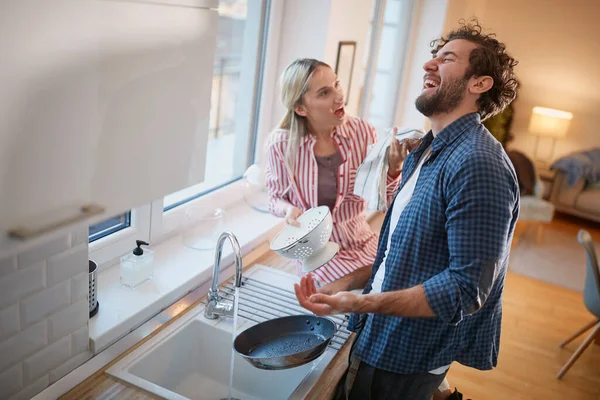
{"x": 379, "y": 122}
{"x": 380, "y": 95}
{"x": 387, "y": 51}
{"x": 392, "y": 11}
{"x": 108, "y": 226}
{"x": 234, "y": 90}
{"x": 386, "y": 65}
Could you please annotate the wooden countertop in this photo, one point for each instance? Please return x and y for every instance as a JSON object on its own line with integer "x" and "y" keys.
{"x": 102, "y": 386}
{"x": 537, "y": 317}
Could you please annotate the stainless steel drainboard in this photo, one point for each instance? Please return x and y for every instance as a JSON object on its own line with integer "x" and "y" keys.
{"x": 260, "y": 302}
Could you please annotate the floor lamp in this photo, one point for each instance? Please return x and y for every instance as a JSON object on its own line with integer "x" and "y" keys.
{"x": 549, "y": 123}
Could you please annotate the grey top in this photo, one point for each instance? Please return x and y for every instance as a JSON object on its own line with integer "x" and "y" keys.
{"x": 328, "y": 179}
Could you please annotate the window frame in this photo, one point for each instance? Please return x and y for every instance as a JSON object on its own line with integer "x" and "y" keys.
{"x": 397, "y": 77}
{"x": 108, "y": 249}
{"x": 151, "y": 222}
{"x": 112, "y": 229}
{"x": 248, "y": 146}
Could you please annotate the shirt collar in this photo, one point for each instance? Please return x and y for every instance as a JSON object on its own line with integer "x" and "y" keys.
{"x": 456, "y": 128}
{"x": 340, "y": 131}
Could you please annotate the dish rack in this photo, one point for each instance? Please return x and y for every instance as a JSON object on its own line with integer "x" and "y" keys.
{"x": 260, "y": 302}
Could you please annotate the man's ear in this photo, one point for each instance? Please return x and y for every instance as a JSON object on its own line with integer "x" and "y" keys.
{"x": 300, "y": 110}
{"x": 481, "y": 84}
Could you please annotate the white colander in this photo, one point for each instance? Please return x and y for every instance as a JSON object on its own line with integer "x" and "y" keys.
{"x": 308, "y": 240}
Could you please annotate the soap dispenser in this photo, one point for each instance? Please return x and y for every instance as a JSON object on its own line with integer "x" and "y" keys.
{"x": 138, "y": 266}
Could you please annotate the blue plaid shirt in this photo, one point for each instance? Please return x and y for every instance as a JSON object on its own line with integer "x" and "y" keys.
{"x": 454, "y": 238}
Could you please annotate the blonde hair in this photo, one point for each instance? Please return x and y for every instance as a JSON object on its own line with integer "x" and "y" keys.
{"x": 294, "y": 84}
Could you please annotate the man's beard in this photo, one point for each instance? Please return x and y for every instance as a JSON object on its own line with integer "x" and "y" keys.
{"x": 446, "y": 98}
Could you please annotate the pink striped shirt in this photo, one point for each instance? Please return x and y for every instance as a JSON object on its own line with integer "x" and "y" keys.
{"x": 358, "y": 243}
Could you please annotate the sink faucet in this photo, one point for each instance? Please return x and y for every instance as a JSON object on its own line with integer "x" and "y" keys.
{"x": 217, "y": 306}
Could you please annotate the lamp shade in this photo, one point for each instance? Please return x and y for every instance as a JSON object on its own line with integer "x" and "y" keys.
{"x": 549, "y": 122}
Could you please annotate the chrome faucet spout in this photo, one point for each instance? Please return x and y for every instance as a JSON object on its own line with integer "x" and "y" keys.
{"x": 217, "y": 306}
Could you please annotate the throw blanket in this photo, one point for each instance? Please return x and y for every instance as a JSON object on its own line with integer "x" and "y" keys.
{"x": 585, "y": 164}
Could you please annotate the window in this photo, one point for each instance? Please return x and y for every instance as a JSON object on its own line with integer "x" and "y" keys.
{"x": 390, "y": 24}
{"x": 237, "y": 81}
{"x": 108, "y": 226}
{"x": 234, "y": 102}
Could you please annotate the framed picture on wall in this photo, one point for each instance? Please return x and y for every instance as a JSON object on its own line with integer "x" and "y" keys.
{"x": 344, "y": 65}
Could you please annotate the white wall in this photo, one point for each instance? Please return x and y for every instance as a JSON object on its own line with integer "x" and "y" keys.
{"x": 43, "y": 314}
{"x": 556, "y": 44}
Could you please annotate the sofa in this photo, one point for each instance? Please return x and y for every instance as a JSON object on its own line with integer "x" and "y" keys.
{"x": 579, "y": 199}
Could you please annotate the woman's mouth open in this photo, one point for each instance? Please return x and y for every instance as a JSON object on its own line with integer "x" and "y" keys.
{"x": 340, "y": 112}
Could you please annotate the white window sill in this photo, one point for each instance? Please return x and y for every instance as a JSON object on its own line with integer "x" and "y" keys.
{"x": 177, "y": 270}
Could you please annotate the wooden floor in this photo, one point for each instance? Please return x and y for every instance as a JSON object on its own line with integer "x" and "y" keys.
{"x": 537, "y": 317}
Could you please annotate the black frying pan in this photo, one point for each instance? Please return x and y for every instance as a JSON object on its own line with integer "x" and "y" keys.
{"x": 285, "y": 342}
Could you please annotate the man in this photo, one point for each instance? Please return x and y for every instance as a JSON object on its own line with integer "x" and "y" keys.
{"x": 433, "y": 295}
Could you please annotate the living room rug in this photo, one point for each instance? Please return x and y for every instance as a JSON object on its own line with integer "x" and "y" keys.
{"x": 558, "y": 259}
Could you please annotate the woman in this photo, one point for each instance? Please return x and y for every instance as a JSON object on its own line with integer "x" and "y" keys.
{"x": 312, "y": 161}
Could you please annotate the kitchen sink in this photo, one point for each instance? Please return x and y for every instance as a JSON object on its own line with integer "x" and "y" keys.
{"x": 191, "y": 358}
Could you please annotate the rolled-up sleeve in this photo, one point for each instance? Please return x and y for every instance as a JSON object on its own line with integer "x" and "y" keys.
{"x": 482, "y": 199}
{"x": 276, "y": 181}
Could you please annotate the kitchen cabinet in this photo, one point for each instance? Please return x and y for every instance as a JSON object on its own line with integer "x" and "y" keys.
{"x": 105, "y": 106}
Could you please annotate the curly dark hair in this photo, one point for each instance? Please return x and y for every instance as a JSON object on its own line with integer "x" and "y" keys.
{"x": 488, "y": 59}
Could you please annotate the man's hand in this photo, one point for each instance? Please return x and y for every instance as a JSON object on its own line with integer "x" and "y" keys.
{"x": 410, "y": 303}
{"x": 321, "y": 303}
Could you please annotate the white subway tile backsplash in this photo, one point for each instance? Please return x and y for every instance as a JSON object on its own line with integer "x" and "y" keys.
{"x": 80, "y": 287}
{"x": 22, "y": 283}
{"x": 43, "y": 313}
{"x": 32, "y": 390}
{"x": 22, "y": 345}
{"x": 42, "y": 304}
{"x": 80, "y": 340}
{"x": 44, "y": 251}
{"x": 69, "y": 366}
{"x": 66, "y": 265}
{"x": 11, "y": 381}
{"x": 8, "y": 266}
{"x": 44, "y": 361}
{"x": 68, "y": 320}
{"x": 9, "y": 322}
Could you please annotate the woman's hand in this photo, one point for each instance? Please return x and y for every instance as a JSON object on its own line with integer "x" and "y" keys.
{"x": 291, "y": 215}
{"x": 398, "y": 153}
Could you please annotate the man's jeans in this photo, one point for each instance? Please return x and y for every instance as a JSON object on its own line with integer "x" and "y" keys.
{"x": 372, "y": 383}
